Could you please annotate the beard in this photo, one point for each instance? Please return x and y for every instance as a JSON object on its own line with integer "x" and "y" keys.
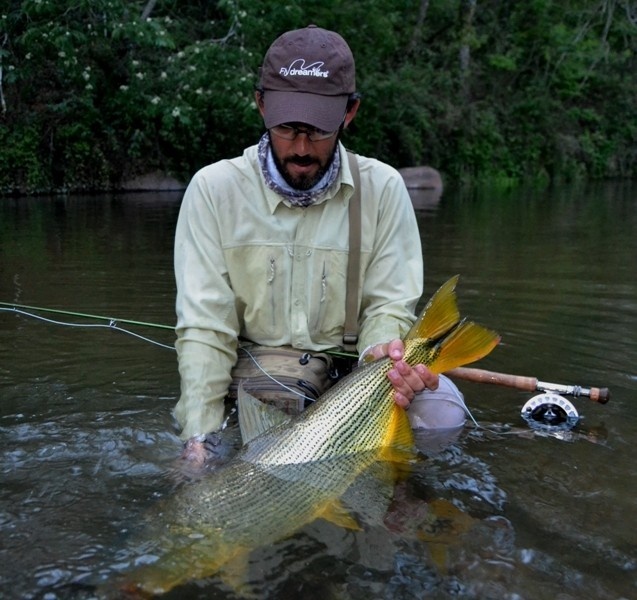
{"x": 302, "y": 182}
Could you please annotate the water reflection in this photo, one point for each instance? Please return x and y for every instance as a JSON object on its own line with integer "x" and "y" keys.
{"x": 88, "y": 444}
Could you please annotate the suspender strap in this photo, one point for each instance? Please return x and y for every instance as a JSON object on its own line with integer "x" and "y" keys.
{"x": 350, "y": 330}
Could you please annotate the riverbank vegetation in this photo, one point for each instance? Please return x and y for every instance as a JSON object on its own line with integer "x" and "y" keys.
{"x": 96, "y": 92}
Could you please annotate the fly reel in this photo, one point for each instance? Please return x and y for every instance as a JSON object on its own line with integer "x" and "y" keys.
{"x": 550, "y": 410}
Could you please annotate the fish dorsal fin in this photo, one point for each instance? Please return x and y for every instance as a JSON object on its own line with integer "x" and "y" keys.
{"x": 465, "y": 344}
{"x": 439, "y": 315}
{"x": 336, "y": 513}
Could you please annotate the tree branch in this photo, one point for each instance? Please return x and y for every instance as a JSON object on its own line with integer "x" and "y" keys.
{"x": 150, "y": 5}
{"x": 417, "y": 35}
{"x": 3, "y": 104}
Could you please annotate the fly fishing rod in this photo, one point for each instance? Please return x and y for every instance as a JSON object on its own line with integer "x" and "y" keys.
{"x": 529, "y": 384}
{"x": 113, "y": 324}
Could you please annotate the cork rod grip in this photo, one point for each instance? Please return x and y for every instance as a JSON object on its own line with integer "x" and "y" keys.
{"x": 529, "y": 384}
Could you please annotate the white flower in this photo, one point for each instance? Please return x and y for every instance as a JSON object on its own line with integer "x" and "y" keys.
{"x": 155, "y": 100}
{"x": 176, "y": 112}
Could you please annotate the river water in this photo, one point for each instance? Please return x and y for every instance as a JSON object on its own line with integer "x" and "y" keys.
{"x": 502, "y": 510}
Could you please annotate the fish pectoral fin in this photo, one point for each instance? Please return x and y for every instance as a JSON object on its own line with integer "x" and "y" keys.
{"x": 255, "y": 416}
{"x": 398, "y": 436}
{"x": 465, "y": 344}
{"x": 337, "y": 514}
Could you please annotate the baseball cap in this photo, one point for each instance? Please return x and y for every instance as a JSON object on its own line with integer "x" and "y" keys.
{"x": 307, "y": 76}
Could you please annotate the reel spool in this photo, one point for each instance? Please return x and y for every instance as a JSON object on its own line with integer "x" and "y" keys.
{"x": 550, "y": 410}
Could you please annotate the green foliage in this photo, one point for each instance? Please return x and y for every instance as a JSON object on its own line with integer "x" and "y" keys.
{"x": 94, "y": 94}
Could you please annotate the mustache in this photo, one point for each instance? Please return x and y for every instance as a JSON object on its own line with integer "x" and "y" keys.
{"x": 302, "y": 161}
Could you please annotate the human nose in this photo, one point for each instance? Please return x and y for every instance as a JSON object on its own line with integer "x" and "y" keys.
{"x": 301, "y": 143}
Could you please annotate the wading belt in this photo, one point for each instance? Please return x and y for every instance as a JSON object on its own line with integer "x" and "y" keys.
{"x": 350, "y": 329}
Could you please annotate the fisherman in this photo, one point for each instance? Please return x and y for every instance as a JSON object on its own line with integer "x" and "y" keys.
{"x": 261, "y": 246}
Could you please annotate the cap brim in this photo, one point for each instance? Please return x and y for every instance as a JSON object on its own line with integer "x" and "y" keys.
{"x": 323, "y": 112}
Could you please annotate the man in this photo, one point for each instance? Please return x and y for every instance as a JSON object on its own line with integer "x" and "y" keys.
{"x": 261, "y": 244}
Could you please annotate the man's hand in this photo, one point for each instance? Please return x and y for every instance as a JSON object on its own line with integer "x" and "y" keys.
{"x": 406, "y": 380}
{"x": 194, "y": 451}
{"x": 209, "y": 449}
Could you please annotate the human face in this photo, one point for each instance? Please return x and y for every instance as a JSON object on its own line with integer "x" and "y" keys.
{"x": 301, "y": 162}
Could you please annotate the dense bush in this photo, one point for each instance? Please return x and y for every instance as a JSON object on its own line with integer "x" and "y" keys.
{"x": 94, "y": 92}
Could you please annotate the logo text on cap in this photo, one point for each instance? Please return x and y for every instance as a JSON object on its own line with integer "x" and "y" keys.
{"x": 297, "y": 67}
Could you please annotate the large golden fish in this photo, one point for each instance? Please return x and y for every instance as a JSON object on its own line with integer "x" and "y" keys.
{"x": 297, "y": 471}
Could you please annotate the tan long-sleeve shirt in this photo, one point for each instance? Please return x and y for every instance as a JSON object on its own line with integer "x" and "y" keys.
{"x": 249, "y": 264}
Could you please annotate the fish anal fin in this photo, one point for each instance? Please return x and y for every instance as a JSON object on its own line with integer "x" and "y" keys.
{"x": 337, "y": 514}
{"x": 439, "y": 315}
{"x": 467, "y": 343}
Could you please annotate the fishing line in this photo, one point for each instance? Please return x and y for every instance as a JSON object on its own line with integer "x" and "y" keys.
{"x": 111, "y": 325}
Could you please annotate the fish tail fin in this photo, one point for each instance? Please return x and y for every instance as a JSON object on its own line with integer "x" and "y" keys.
{"x": 465, "y": 344}
{"x": 440, "y": 314}
{"x": 453, "y": 342}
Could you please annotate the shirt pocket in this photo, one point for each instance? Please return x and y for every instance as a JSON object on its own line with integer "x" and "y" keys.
{"x": 326, "y": 298}
{"x": 260, "y": 279}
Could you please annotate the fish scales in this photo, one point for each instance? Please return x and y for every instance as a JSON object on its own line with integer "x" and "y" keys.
{"x": 327, "y": 426}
